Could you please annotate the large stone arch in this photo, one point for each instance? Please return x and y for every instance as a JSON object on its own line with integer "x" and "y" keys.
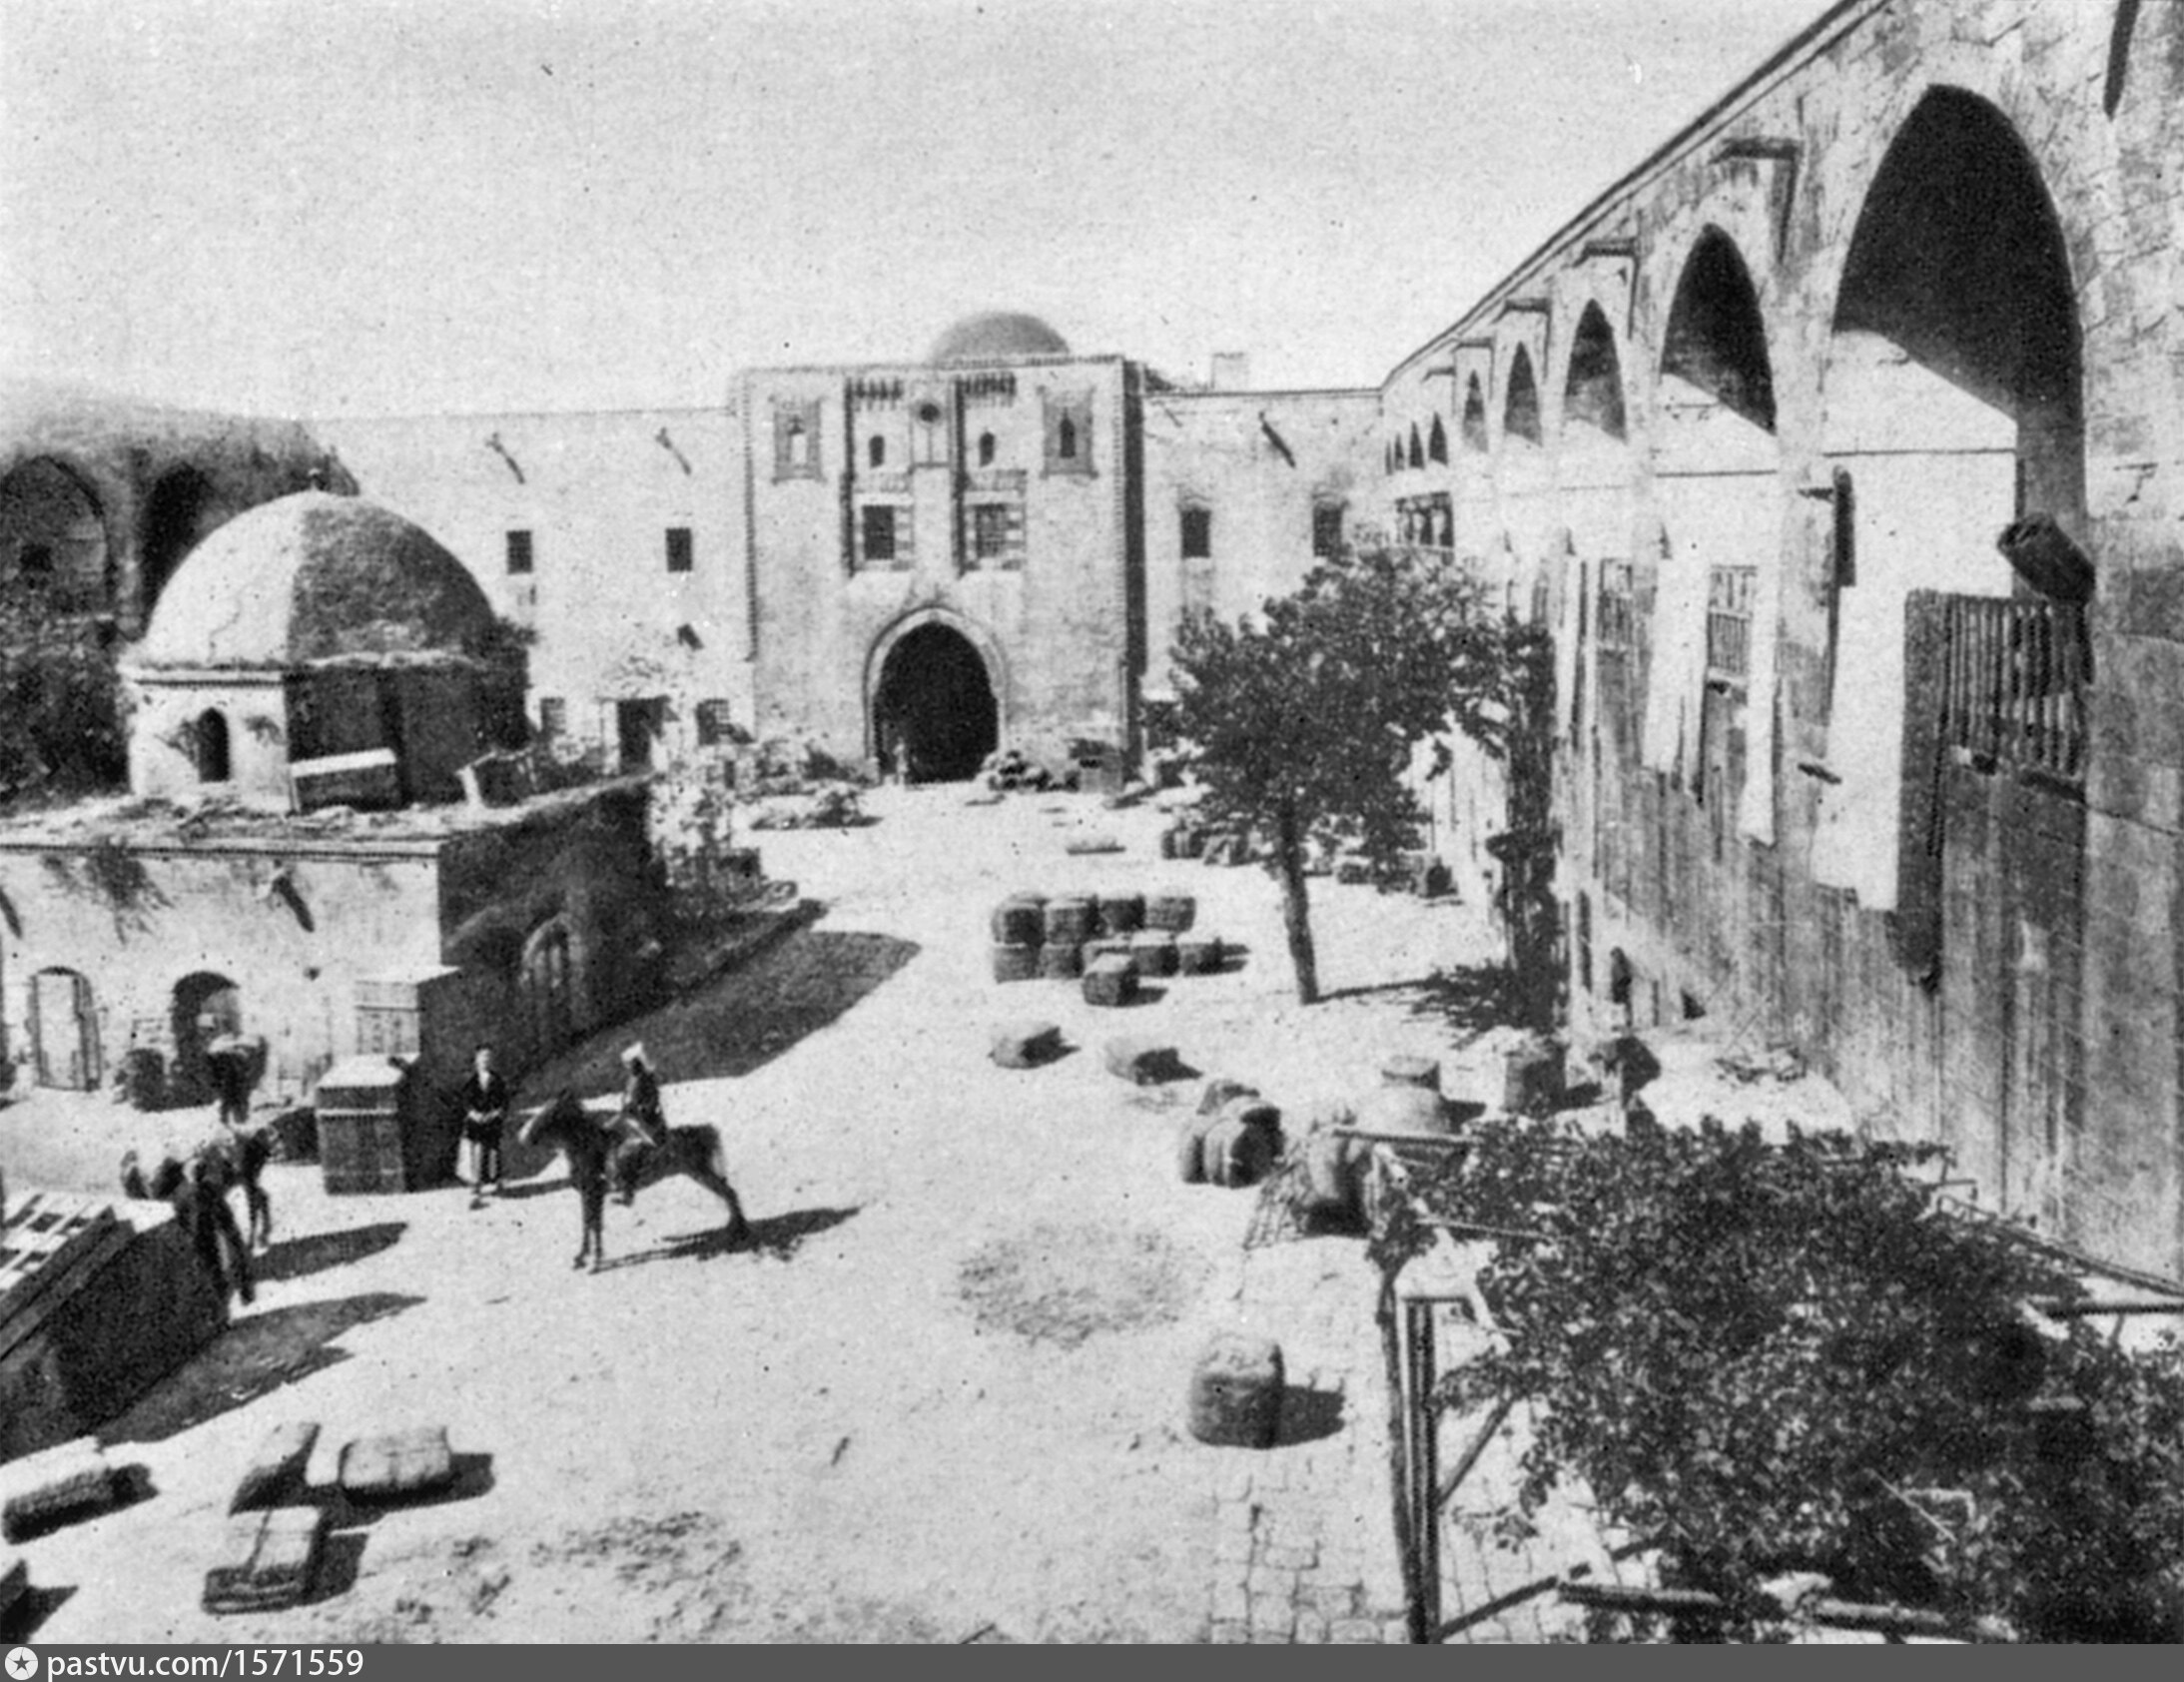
{"x": 56, "y": 526}
{"x": 980, "y": 641}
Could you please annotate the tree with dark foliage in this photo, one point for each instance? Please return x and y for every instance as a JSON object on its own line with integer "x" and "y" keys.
{"x": 60, "y": 700}
{"x": 1302, "y": 725}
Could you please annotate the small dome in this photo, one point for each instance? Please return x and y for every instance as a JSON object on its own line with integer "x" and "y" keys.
{"x": 315, "y": 577}
{"x": 997, "y": 337}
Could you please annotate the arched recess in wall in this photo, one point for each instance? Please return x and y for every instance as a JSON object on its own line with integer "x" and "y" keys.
{"x": 932, "y": 671}
{"x": 173, "y": 521}
{"x": 53, "y": 538}
{"x": 1594, "y": 474}
{"x": 1521, "y": 403}
{"x": 1418, "y": 456}
{"x": 1472, "y": 429}
{"x": 1710, "y": 690}
{"x": 1953, "y": 408}
{"x": 1437, "y": 443}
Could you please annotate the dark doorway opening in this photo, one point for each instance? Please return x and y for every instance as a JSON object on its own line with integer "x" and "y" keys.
{"x": 206, "y": 1006}
{"x": 638, "y": 727}
{"x": 934, "y": 714}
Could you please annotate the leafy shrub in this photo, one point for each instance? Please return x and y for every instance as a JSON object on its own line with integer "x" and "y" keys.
{"x": 1767, "y": 1359}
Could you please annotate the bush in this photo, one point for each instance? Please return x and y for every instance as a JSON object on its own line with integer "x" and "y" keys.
{"x": 1767, "y": 1359}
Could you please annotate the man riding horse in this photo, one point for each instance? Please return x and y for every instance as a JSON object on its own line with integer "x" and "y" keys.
{"x": 641, "y": 1122}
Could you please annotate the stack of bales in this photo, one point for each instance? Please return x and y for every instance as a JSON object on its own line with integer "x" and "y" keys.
{"x": 1063, "y": 937}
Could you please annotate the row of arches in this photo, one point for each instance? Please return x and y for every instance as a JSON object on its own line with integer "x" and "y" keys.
{"x": 62, "y": 537}
{"x": 1954, "y": 325}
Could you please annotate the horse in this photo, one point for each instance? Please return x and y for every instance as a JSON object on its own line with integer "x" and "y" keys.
{"x": 197, "y": 1184}
{"x": 602, "y": 1146}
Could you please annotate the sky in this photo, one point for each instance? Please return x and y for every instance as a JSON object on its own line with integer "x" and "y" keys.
{"x": 343, "y": 207}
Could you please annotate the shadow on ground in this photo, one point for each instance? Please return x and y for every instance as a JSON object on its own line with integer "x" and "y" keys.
{"x": 1308, "y": 1416}
{"x": 779, "y": 1236}
{"x": 255, "y": 1356}
{"x": 294, "y": 1258}
{"x": 1466, "y": 999}
{"x": 735, "y": 1023}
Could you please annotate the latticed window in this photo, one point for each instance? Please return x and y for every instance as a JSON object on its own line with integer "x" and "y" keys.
{"x": 1730, "y": 590}
{"x": 518, "y": 554}
{"x": 553, "y": 718}
{"x": 877, "y": 537}
{"x": 1614, "y": 624}
{"x": 1326, "y": 529}
{"x": 679, "y": 548}
{"x": 714, "y": 724}
{"x": 989, "y": 533}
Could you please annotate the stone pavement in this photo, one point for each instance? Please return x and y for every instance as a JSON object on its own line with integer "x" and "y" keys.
{"x": 1305, "y": 1537}
{"x": 1305, "y": 1531}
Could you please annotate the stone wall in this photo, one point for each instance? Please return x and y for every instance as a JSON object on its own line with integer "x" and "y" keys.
{"x": 1242, "y": 473}
{"x": 1913, "y": 279}
{"x": 597, "y": 494}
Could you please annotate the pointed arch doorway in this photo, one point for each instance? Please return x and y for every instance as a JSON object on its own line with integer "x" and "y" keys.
{"x": 933, "y": 699}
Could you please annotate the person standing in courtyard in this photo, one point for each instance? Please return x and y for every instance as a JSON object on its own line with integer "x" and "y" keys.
{"x": 484, "y": 1100}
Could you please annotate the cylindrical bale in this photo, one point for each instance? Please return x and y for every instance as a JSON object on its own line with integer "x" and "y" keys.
{"x": 1235, "y": 1393}
{"x": 1069, "y": 919}
{"x": 1331, "y": 1178}
{"x": 1122, "y": 913}
{"x": 1412, "y": 1072}
{"x": 1532, "y": 1083}
{"x": 1109, "y": 947}
{"x": 1015, "y": 963}
{"x": 1153, "y": 951}
{"x": 1238, "y": 1152}
{"x": 1061, "y": 961}
{"x": 1403, "y": 1108}
{"x": 1200, "y": 955}
{"x": 1019, "y": 921}
{"x": 1173, "y": 912}
{"x": 1221, "y": 1091}
{"x": 1190, "y": 1150}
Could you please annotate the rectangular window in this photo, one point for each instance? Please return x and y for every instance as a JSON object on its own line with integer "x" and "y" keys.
{"x": 678, "y": 548}
{"x": 1198, "y": 534}
{"x": 878, "y": 533}
{"x": 1068, "y": 419}
{"x": 989, "y": 531}
{"x": 519, "y": 554}
{"x": 714, "y": 724}
{"x": 553, "y": 718}
{"x": 1328, "y": 530}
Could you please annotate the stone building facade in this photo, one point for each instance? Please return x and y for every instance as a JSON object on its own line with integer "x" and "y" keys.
{"x": 101, "y": 497}
{"x": 1753, "y": 433}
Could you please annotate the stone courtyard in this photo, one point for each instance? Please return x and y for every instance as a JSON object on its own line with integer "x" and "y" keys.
{"x": 940, "y": 1396}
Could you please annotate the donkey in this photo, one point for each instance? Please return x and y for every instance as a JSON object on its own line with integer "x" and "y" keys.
{"x": 197, "y": 1186}
{"x": 600, "y": 1146}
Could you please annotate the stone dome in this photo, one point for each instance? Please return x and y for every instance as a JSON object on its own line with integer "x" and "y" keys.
{"x": 313, "y": 577}
{"x": 997, "y": 337}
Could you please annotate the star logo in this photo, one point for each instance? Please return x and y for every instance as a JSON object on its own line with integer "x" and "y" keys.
{"x": 21, "y": 1664}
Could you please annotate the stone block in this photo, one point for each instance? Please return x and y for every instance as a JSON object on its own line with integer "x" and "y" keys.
{"x": 1019, "y": 921}
{"x": 1015, "y": 963}
{"x": 1061, "y": 961}
{"x": 1200, "y": 955}
{"x": 69, "y": 1480}
{"x": 1173, "y": 912}
{"x": 397, "y": 1466}
{"x": 1110, "y": 981}
{"x": 1141, "y": 1062}
{"x": 1026, "y": 1044}
{"x": 1153, "y": 951}
{"x": 269, "y": 1560}
{"x": 1069, "y": 919}
{"x": 275, "y": 1476}
{"x": 1122, "y": 913}
{"x": 1235, "y": 1393}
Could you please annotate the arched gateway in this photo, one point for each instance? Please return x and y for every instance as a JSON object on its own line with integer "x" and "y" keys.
{"x": 932, "y": 700}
